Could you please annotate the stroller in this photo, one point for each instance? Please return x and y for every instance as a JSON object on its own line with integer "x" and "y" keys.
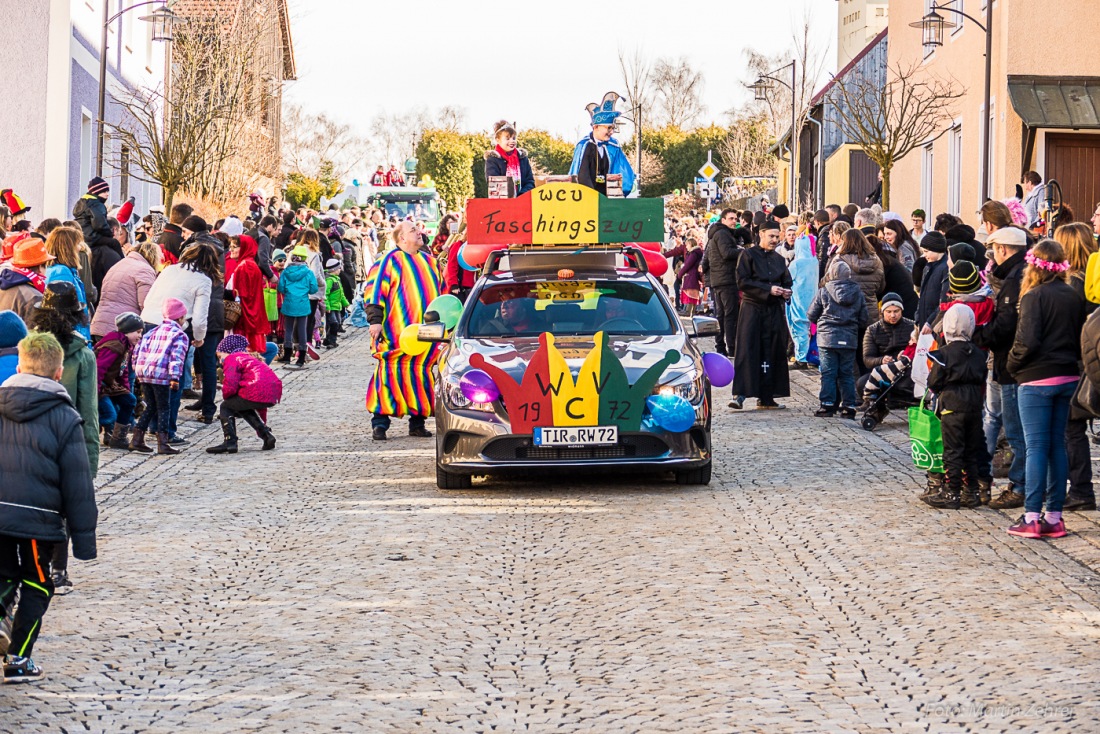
{"x": 888, "y": 387}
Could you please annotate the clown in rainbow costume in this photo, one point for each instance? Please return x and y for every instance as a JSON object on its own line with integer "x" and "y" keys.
{"x": 399, "y": 288}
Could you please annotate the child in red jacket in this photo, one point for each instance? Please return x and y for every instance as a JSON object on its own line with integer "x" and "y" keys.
{"x": 249, "y": 388}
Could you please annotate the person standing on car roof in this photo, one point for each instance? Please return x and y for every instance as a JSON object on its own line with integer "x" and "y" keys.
{"x": 505, "y": 159}
{"x": 598, "y": 155}
{"x": 397, "y": 294}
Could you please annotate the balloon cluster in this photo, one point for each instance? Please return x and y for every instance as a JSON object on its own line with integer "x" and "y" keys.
{"x": 447, "y": 309}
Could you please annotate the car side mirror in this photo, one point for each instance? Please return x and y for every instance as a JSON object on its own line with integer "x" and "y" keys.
{"x": 435, "y": 331}
{"x": 704, "y": 326}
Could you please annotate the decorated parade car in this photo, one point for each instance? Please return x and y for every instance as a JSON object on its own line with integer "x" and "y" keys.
{"x": 568, "y": 353}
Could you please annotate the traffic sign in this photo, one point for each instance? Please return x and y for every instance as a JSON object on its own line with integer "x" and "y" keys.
{"x": 709, "y": 170}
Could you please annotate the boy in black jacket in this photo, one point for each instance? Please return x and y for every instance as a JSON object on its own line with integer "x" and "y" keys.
{"x": 957, "y": 378}
{"x": 45, "y": 482}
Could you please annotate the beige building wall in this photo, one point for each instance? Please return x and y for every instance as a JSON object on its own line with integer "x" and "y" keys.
{"x": 1029, "y": 37}
{"x": 858, "y": 22}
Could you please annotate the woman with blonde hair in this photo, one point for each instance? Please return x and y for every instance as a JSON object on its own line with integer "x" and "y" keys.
{"x": 1044, "y": 363}
{"x": 64, "y": 244}
{"x": 126, "y": 285}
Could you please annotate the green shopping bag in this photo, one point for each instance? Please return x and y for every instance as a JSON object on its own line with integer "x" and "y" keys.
{"x": 926, "y": 439}
{"x": 271, "y": 303}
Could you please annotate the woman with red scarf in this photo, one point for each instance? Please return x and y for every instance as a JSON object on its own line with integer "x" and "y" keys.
{"x": 248, "y": 283}
{"x": 508, "y": 160}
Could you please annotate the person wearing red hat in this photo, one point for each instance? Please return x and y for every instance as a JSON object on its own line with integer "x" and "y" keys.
{"x": 17, "y": 209}
{"x": 248, "y": 283}
{"x": 22, "y": 283}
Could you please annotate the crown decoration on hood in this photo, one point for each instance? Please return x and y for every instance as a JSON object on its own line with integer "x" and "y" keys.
{"x": 605, "y": 113}
{"x": 600, "y": 395}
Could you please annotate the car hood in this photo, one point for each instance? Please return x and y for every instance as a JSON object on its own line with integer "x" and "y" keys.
{"x": 635, "y": 353}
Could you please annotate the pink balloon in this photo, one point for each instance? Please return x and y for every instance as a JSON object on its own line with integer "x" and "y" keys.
{"x": 658, "y": 264}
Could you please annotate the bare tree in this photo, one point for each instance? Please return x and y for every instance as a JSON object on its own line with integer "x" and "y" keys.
{"x": 889, "y": 121}
{"x": 309, "y": 140}
{"x": 637, "y": 80}
{"x": 678, "y": 93}
{"x": 810, "y": 61}
{"x": 397, "y": 134}
{"x": 452, "y": 117}
{"x": 180, "y": 138}
{"x": 744, "y": 152}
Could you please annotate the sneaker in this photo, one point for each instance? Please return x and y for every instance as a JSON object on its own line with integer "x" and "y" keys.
{"x": 1051, "y": 530}
{"x": 945, "y": 499}
{"x": 177, "y": 440}
{"x": 1074, "y": 503}
{"x": 378, "y": 434}
{"x": 61, "y": 583}
{"x": 313, "y": 354}
{"x": 825, "y": 411}
{"x": 1009, "y": 499}
{"x": 21, "y": 670}
{"x": 737, "y": 403}
{"x": 1024, "y": 529}
{"x": 770, "y": 406}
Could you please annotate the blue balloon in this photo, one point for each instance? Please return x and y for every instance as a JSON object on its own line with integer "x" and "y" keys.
{"x": 355, "y": 182}
{"x": 671, "y": 412}
{"x": 719, "y": 369}
{"x": 462, "y": 261}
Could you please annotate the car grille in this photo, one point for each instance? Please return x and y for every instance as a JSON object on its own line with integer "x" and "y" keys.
{"x": 522, "y": 448}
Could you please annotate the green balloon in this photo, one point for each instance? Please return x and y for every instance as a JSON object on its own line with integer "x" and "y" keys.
{"x": 449, "y": 308}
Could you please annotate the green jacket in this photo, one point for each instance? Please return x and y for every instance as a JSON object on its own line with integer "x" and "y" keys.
{"x": 335, "y": 299}
{"x": 79, "y": 378}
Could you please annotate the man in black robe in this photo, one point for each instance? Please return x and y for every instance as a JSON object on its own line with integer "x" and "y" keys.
{"x": 760, "y": 355}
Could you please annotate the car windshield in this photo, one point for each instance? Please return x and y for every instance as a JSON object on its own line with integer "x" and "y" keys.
{"x": 564, "y": 307}
{"x": 425, "y": 210}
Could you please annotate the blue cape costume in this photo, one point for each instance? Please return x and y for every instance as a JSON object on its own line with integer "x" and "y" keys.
{"x": 804, "y": 276}
{"x": 616, "y": 159}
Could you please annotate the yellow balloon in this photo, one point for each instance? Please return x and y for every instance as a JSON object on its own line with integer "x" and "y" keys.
{"x": 408, "y": 342}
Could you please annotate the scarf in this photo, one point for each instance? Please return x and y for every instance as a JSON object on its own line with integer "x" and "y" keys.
{"x": 512, "y": 160}
{"x": 38, "y": 280}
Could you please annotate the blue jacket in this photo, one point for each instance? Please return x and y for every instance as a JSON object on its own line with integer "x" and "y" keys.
{"x": 617, "y": 161}
{"x": 9, "y": 360}
{"x": 63, "y": 273}
{"x": 297, "y": 283}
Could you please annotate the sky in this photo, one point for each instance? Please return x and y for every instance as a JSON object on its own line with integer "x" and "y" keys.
{"x": 537, "y": 63}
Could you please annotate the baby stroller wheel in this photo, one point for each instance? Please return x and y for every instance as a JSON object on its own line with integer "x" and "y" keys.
{"x": 868, "y": 423}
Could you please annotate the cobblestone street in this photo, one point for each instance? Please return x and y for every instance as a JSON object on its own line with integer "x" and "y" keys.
{"x": 329, "y": 586}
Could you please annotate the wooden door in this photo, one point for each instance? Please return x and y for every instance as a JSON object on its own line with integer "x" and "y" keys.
{"x": 1074, "y": 161}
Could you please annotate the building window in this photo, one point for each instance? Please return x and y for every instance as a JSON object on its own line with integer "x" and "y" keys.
{"x": 954, "y": 170}
{"x": 955, "y": 17}
{"x": 87, "y": 146}
{"x": 124, "y": 173}
{"x": 927, "y": 176}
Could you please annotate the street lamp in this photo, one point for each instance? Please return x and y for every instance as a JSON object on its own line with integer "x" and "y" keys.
{"x": 760, "y": 88}
{"x": 163, "y": 20}
{"x": 931, "y": 26}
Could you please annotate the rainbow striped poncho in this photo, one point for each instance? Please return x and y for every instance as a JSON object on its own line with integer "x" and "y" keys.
{"x": 403, "y": 285}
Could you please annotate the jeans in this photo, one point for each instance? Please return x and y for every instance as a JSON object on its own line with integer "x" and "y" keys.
{"x": 187, "y": 380}
{"x": 207, "y": 358}
{"x": 1014, "y": 434}
{"x": 991, "y": 415}
{"x": 116, "y": 409}
{"x": 1044, "y": 411}
{"x": 157, "y": 408}
{"x": 838, "y": 366}
{"x": 271, "y": 349}
{"x": 383, "y": 422}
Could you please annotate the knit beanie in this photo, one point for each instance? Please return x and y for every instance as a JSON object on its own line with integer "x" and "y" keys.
{"x": 934, "y": 242}
{"x": 891, "y": 299}
{"x": 232, "y": 344}
{"x": 174, "y": 309}
{"x": 97, "y": 186}
{"x": 958, "y": 323}
{"x": 961, "y": 251}
{"x": 963, "y": 277}
{"x": 195, "y": 223}
{"x": 12, "y": 329}
{"x": 129, "y": 322}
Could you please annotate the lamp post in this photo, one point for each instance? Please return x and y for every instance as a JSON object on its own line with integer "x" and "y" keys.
{"x": 761, "y": 87}
{"x": 163, "y": 19}
{"x": 932, "y": 25}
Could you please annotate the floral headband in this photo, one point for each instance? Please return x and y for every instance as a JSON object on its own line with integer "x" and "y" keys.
{"x": 1046, "y": 264}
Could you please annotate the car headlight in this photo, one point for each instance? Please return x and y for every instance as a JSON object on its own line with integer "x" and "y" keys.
{"x": 452, "y": 393}
{"x": 688, "y": 385}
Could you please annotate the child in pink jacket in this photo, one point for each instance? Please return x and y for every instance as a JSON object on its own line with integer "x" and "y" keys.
{"x": 249, "y": 388}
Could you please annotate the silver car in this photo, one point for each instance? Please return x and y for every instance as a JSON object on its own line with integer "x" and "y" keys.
{"x": 572, "y": 296}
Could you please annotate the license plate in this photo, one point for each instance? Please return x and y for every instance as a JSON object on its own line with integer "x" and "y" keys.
{"x": 590, "y": 436}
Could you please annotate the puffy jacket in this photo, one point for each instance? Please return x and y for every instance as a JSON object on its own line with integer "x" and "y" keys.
{"x": 59, "y": 273}
{"x": 1048, "y": 335}
{"x": 80, "y": 378}
{"x": 45, "y": 482}
{"x": 297, "y": 284}
{"x": 840, "y": 311}
{"x": 124, "y": 289}
{"x": 868, "y": 274}
{"x": 251, "y": 379}
{"x": 495, "y": 165}
{"x": 18, "y": 294}
{"x": 335, "y": 300}
{"x": 189, "y": 286}
{"x": 885, "y": 340}
{"x": 9, "y": 360}
{"x": 999, "y": 334}
{"x": 958, "y": 377}
{"x": 723, "y": 249}
{"x": 933, "y": 280}
{"x": 106, "y": 254}
{"x": 91, "y": 214}
{"x": 112, "y": 358}
{"x": 159, "y": 356}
